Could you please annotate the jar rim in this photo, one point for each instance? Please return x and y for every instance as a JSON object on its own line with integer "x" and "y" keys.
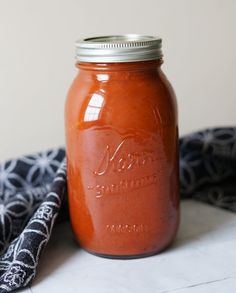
{"x": 119, "y": 48}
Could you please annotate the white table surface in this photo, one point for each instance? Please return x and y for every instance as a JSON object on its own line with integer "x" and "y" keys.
{"x": 202, "y": 260}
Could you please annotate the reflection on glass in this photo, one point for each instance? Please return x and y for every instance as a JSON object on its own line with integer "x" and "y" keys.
{"x": 102, "y": 77}
{"x": 94, "y": 107}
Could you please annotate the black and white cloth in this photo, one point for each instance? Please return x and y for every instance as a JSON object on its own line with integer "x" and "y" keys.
{"x": 32, "y": 192}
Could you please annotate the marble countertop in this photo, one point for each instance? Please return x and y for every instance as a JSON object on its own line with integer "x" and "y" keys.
{"x": 201, "y": 260}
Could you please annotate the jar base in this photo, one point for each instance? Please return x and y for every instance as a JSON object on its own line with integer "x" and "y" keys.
{"x": 133, "y": 256}
{"x": 161, "y": 248}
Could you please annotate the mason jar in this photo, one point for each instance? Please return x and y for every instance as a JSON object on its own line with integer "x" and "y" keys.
{"x": 122, "y": 148}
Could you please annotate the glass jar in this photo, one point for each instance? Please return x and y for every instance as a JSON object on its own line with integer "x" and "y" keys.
{"x": 122, "y": 148}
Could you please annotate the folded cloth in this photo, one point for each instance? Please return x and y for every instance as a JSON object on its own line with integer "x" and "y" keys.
{"x": 32, "y": 189}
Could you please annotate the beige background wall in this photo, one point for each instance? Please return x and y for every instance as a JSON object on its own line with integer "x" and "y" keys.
{"x": 37, "y": 60}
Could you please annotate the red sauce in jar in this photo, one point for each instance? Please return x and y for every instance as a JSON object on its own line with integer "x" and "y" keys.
{"x": 122, "y": 156}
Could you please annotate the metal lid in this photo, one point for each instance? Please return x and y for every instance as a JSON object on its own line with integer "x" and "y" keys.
{"x": 121, "y": 48}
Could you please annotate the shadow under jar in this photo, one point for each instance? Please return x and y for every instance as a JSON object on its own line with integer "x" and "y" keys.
{"x": 122, "y": 148}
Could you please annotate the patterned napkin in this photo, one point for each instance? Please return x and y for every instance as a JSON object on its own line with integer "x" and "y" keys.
{"x": 32, "y": 189}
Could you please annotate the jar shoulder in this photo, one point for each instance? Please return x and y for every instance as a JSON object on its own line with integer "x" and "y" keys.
{"x": 139, "y": 100}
